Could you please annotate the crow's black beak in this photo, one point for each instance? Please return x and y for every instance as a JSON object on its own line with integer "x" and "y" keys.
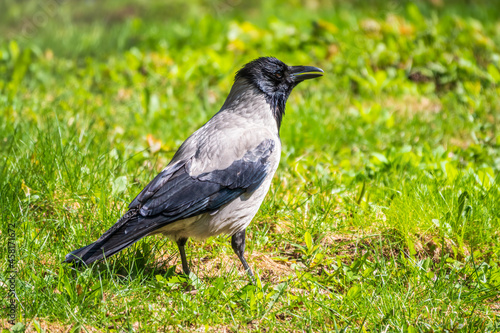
{"x": 301, "y": 73}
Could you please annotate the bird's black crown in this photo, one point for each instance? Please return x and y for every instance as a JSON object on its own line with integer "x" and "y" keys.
{"x": 268, "y": 74}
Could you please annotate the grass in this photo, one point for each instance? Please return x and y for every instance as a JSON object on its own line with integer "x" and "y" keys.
{"x": 384, "y": 214}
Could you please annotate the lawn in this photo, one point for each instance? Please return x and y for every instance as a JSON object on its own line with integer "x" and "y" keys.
{"x": 383, "y": 216}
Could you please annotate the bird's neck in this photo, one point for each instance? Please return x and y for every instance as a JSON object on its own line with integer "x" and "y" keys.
{"x": 248, "y": 101}
{"x": 277, "y": 102}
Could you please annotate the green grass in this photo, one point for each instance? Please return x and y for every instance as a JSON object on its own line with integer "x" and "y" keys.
{"x": 384, "y": 214}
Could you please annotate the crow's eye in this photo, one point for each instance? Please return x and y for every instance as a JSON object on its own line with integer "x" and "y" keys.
{"x": 279, "y": 74}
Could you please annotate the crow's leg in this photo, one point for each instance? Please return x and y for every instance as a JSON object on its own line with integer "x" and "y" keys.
{"x": 180, "y": 243}
{"x": 238, "y": 244}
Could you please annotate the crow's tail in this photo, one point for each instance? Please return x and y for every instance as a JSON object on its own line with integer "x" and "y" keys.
{"x": 121, "y": 235}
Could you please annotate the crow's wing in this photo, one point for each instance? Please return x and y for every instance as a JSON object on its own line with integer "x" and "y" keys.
{"x": 175, "y": 194}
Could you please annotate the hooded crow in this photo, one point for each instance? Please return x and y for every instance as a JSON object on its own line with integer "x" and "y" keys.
{"x": 220, "y": 175}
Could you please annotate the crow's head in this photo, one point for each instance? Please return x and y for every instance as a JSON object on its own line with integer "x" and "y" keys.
{"x": 276, "y": 80}
{"x": 272, "y": 76}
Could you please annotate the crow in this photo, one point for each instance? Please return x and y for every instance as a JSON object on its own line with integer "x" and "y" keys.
{"x": 218, "y": 178}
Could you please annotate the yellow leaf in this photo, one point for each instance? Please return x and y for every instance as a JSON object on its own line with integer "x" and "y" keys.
{"x": 250, "y": 29}
{"x": 154, "y": 144}
{"x": 26, "y": 189}
{"x": 79, "y": 289}
{"x": 236, "y": 45}
{"x": 328, "y": 26}
{"x": 370, "y": 26}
